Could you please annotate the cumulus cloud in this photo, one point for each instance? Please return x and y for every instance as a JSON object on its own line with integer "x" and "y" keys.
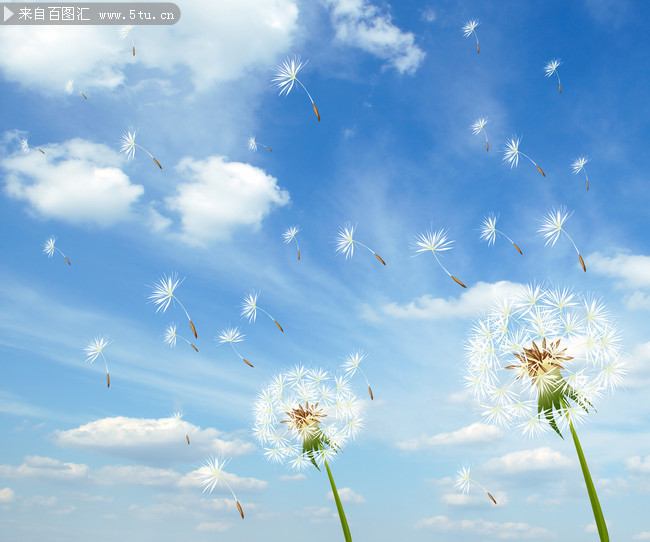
{"x": 477, "y": 298}
{"x": 135, "y": 474}
{"x": 292, "y": 477}
{"x": 632, "y": 272}
{"x": 150, "y": 439}
{"x": 361, "y": 24}
{"x": 472, "y": 434}
{"x": 44, "y": 468}
{"x": 502, "y": 531}
{"x": 7, "y": 494}
{"x": 220, "y": 196}
{"x": 347, "y": 495}
{"x": 643, "y": 535}
{"x": 638, "y": 465}
{"x": 638, "y": 366}
{"x": 538, "y": 459}
{"x": 213, "y": 42}
{"x": 76, "y": 181}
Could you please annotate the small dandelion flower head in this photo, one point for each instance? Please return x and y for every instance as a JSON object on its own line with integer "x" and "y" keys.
{"x": 305, "y": 416}
{"x": 170, "y": 335}
{"x": 470, "y": 26}
{"x": 163, "y": 291}
{"x": 551, "y": 347}
{"x": 551, "y": 66}
{"x": 553, "y": 223}
{"x": 249, "y": 306}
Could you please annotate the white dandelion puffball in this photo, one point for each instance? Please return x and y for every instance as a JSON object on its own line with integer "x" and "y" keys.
{"x": 305, "y": 416}
{"x": 542, "y": 358}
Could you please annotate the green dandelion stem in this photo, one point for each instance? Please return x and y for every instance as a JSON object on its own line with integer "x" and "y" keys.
{"x": 339, "y": 506}
{"x": 593, "y": 497}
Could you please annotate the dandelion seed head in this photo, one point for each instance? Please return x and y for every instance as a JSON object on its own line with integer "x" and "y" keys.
{"x": 249, "y": 306}
{"x": 579, "y": 164}
{"x": 170, "y": 335}
{"x": 163, "y": 291}
{"x": 95, "y": 348}
{"x": 551, "y": 66}
{"x": 128, "y": 144}
{"x": 553, "y": 223}
{"x": 125, "y": 31}
{"x": 212, "y": 473}
{"x": 345, "y": 240}
{"x": 435, "y": 241}
{"x": 469, "y": 27}
{"x": 48, "y": 247}
{"x": 252, "y": 144}
{"x": 352, "y": 361}
{"x": 463, "y": 480}
{"x": 230, "y": 335}
{"x": 478, "y": 125}
{"x": 286, "y": 74}
{"x": 489, "y": 229}
{"x": 24, "y": 145}
{"x": 290, "y": 233}
{"x": 511, "y": 151}
{"x": 69, "y": 86}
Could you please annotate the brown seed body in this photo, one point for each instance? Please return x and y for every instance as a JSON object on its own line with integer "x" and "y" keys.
{"x": 187, "y": 437}
{"x": 492, "y": 498}
{"x": 582, "y": 262}
{"x": 458, "y": 281}
{"x": 540, "y": 170}
{"x": 134, "y": 50}
{"x": 279, "y": 326}
{"x": 42, "y": 151}
{"x": 298, "y": 255}
{"x": 241, "y": 512}
{"x": 478, "y": 51}
{"x": 108, "y": 381}
{"x": 372, "y": 398}
{"x": 316, "y": 111}
{"x": 487, "y": 146}
{"x": 379, "y": 258}
{"x": 247, "y": 362}
{"x": 157, "y": 163}
{"x": 66, "y": 259}
{"x": 195, "y": 348}
{"x": 518, "y": 249}
{"x": 194, "y": 330}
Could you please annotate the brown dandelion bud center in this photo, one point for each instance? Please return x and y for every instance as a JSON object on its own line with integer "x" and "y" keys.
{"x": 535, "y": 362}
{"x": 305, "y": 419}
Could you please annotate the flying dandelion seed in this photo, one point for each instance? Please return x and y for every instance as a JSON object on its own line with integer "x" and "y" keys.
{"x": 345, "y": 242}
{"x": 553, "y": 226}
{"x": 478, "y": 127}
{"x": 469, "y": 29}
{"x": 252, "y": 144}
{"x": 579, "y": 165}
{"x": 232, "y": 335}
{"x": 125, "y": 32}
{"x": 286, "y": 76}
{"x": 551, "y": 68}
{"x": 171, "y": 336}
{"x": 290, "y": 235}
{"x": 163, "y": 295}
{"x": 435, "y": 241}
{"x": 306, "y": 416}
{"x": 26, "y": 147}
{"x": 543, "y": 363}
{"x": 49, "y": 249}
{"x": 489, "y": 231}
{"x": 511, "y": 154}
{"x": 69, "y": 88}
{"x": 211, "y": 474}
{"x": 95, "y": 349}
{"x": 177, "y": 417}
{"x": 351, "y": 366}
{"x": 250, "y": 308}
{"x": 129, "y": 145}
{"x": 464, "y": 481}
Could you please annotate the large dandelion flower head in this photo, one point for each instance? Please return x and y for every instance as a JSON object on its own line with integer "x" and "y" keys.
{"x": 542, "y": 358}
{"x": 306, "y": 416}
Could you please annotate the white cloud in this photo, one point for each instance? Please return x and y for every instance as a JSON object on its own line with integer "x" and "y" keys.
{"x": 502, "y": 531}
{"x": 213, "y": 527}
{"x": 593, "y": 528}
{"x": 638, "y": 366}
{"x": 361, "y": 24}
{"x": 221, "y": 41}
{"x": 292, "y": 477}
{"x": 221, "y": 196}
{"x": 150, "y": 439}
{"x": 633, "y": 272}
{"x": 643, "y": 535}
{"x": 428, "y": 14}
{"x": 76, "y": 181}
{"x": 7, "y": 494}
{"x": 135, "y": 474}
{"x": 472, "y": 434}
{"x": 44, "y": 468}
{"x": 478, "y": 499}
{"x": 38, "y": 500}
{"x": 347, "y": 495}
{"x": 638, "y": 465}
{"x": 477, "y": 298}
{"x": 538, "y": 459}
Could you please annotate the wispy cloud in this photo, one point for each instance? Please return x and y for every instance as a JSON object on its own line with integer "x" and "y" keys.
{"x": 347, "y": 495}
{"x": 632, "y": 272}
{"x": 535, "y": 460}
{"x": 360, "y": 24}
{"x": 44, "y": 468}
{"x": 638, "y": 465}
{"x": 7, "y": 494}
{"x": 502, "y": 531}
{"x": 472, "y": 434}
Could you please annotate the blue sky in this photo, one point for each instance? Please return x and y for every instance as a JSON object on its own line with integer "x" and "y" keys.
{"x": 397, "y": 86}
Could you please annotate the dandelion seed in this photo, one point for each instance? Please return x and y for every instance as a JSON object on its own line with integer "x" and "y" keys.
{"x": 512, "y": 152}
{"x": 163, "y": 295}
{"x": 295, "y": 428}
{"x": 469, "y": 29}
{"x": 463, "y": 482}
{"x": 250, "y": 308}
{"x": 252, "y": 144}
{"x": 563, "y": 375}
{"x": 478, "y": 127}
{"x": 125, "y": 32}
{"x": 351, "y": 366}
{"x": 129, "y": 145}
{"x": 290, "y": 235}
{"x": 178, "y": 419}
{"x": 286, "y": 76}
{"x": 26, "y": 147}
{"x": 579, "y": 165}
{"x": 211, "y": 474}
{"x": 489, "y": 231}
{"x": 95, "y": 349}
{"x": 553, "y": 226}
{"x": 345, "y": 242}
{"x": 171, "y": 336}
{"x": 69, "y": 88}
{"x": 435, "y": 241}
{"x": 551, "y": 68}
{"x": 232, "y": 335}
{"x": 49, "y": 249}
